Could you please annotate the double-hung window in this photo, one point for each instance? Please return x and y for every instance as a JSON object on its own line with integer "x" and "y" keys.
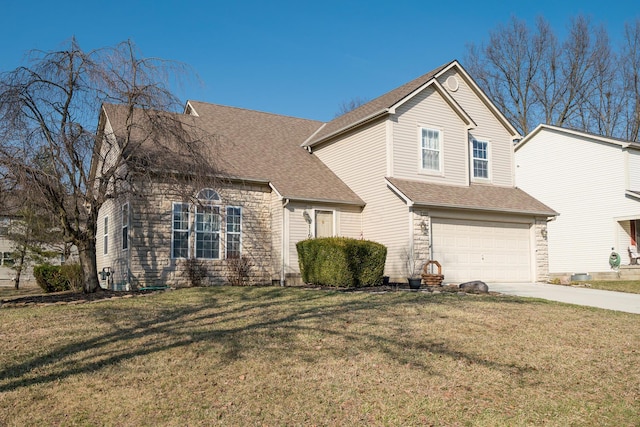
{"x": 6, "y": 259}
{"x": 208, "y": 232}
{"x": 431, "y": 150}
{"x": 180, "y": 231}
{"x": 202, "y": 235}
{"x": 480, "y": 159}
{"x": 234, "y": 231}
{"x": 125, "y": 226}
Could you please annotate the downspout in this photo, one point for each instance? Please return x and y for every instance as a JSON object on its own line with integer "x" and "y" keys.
{"x": 282, "y": 271}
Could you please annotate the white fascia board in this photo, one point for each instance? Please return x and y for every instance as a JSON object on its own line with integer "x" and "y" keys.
{"x": 400, "y": 194}
{"x": 344, "y": 129}
{"x": 445, "y": 95}
{"x": 483, "y": 96}
{"x": 188, "y": 106}
{"x": 304, "y": 144}
{"x": 275, "y": 190}
{"x": 530, "y": 135}
{"x": 326, "y": 201}
{"x": 580, "y": 134}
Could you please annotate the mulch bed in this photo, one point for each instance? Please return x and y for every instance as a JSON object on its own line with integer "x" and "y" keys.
{"x": 60, "y": 298}
{"x": 70, "y": 298}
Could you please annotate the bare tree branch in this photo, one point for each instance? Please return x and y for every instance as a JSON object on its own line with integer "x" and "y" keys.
{"x": 48, "y": 111}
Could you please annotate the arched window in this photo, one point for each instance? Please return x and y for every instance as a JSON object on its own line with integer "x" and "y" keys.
{"x": 208, "y": 195}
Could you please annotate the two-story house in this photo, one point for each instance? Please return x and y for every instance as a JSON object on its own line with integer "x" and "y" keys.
{"x": 426, "y": 169}
{"x": 593, "y": 182}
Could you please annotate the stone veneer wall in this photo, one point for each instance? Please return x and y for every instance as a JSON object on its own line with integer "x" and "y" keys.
{"x": 421, "y": 237}
{"x": 542, "y": 250}
{"x": 150, "y": 237}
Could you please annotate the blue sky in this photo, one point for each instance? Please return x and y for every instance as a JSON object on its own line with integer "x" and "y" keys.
{"x": 299, "y": 58}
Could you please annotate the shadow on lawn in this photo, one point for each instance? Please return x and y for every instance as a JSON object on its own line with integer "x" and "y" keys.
{"x": 239, "y": 321}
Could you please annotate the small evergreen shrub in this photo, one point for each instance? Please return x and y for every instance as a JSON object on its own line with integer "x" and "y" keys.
{"x": 341, "y": 261}
{"x": 50, "y": 278}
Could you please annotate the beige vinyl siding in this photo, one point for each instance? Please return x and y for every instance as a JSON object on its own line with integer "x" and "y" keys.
{"x": 360, "y": 160}
{"x": 346, "y": 223}
{"x": 349, "y": 222}
{"x": 277, "y": 214}
{"x": 298, "y": 230}
{"x": 584, "y": 181}
{"x": 428, "y": 109}
{"x": 488, "y": 128}
{"x": 117, "y": 259}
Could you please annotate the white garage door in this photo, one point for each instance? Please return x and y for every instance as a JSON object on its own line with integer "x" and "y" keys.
{"x": 477, "y": 250}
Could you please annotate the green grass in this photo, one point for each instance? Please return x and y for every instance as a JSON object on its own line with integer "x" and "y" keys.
{"x": 286, "y": 356}
{"x": 631, "y": 286}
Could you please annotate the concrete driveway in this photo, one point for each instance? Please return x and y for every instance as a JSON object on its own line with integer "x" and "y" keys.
{"x": 620, "y": 301}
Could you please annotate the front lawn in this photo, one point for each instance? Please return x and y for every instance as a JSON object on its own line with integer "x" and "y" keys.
{"x": 289, "y": 356}
{"x": 632, "y": 286}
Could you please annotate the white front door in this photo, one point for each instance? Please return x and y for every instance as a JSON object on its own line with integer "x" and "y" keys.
{"x": 324, "y": 223}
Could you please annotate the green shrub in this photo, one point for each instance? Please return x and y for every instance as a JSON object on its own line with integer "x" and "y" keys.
{"x": 341, "y": 261}
{"x": 50, "y": 278}
{"x": 73, "y": 274}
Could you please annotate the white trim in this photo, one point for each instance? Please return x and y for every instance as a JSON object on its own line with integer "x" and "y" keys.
{"x": 314, "y": 224}
{"x": 348, "y": 127}
{"x": 285, "y": 242}
{"x": 421, "y": 169}
{"x": 580, "y": 134}
{"x": 389, "y": 146}
{"x": 472, "y": 177}
{"x": 226, "y": 231}
{"x": 304, "y": 143}
{"x": 173, "y": 230}
{"x": 275, "y": 190}
{"x": 127, "y": 225}
{"x": 482, "y": 95}
{"x": 189, "y": 106}
{"x": 400, "y": 194}
{"x": 195, "y": 231}
{"x": 105, "y": 235}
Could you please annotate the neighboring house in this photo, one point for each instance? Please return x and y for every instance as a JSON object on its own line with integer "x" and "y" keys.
{"x": 11, "y": 222}
{"x": 594, "y": 183}
{"x": 6, "y": 251}
{"x": 427, "y": 168}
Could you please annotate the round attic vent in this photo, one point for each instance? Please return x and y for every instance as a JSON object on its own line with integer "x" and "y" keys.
{"x": 452, "y": 83}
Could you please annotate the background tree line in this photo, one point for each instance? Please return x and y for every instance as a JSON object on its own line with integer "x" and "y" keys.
{"x": 583, "y": 81}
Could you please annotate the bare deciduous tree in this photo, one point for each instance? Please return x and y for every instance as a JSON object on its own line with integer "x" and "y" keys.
{"x": 534, "y": 78}
{"x": 48, "y": 114}
{"x": 347, "y": 106}
{"x": 508, "y": 68}
{"x": 630, "y": 60}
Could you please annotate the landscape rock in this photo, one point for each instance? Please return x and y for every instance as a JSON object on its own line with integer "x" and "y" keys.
{"x": 474, "y": 286}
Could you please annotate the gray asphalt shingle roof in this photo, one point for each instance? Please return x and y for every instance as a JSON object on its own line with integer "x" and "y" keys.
{"x": 377, "y": 106}
{"x": 250, "y": 145}
{"x": 476, "y": 197}
{"x": 267, "y": 146}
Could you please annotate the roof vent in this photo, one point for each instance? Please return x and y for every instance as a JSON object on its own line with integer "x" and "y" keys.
{"x": 452, "y": 83}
